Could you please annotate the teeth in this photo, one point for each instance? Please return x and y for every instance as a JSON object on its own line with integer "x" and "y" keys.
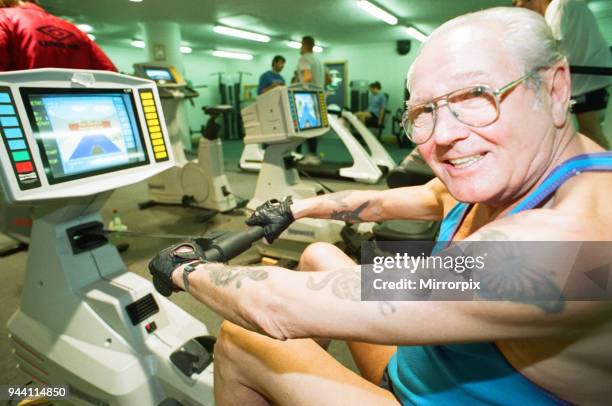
{"x": 465, "y": 162}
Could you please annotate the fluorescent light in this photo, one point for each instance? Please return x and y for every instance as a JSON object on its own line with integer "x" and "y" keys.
{"x": 377, "y": 12}
{"x": 233, "y": 32}
{"x": 298, "y": 45}
{"x": 233, "y": 55}
{"x": 136, "y": 1}
{"x": 138, "y": 43}
{"x": 185, "y": 49}
{"x": 91, "y": 37}
{"x": 85, "y": 27}
{"x": 416, "y": 34}
{"x": 294, "y": 44}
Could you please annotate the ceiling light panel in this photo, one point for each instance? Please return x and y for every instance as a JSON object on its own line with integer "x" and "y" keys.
{"x": 377, "y": 12}
{"x": 234, "y": 32}
{"x": 233, "y": 55}
{"x": 298, "y": 45}
{"x": 416, "y": 34}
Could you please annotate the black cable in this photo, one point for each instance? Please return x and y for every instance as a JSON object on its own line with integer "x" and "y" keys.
{"x": 302, "y": 172}
{"x": 591, "y": 70}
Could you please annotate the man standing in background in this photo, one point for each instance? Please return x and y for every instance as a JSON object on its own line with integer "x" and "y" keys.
{"x": 311, "y": 70}
{"x": 272, "y": 78}
{"x": 573, "y": 23}
{"x": 31, "y": 38}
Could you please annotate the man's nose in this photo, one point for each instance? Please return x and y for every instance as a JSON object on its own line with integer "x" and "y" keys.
{"x": 448, "y": 129}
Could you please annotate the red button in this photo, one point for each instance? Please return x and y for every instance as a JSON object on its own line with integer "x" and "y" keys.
{"x": 151, "y": 327}
{"x": 24, "y": 167}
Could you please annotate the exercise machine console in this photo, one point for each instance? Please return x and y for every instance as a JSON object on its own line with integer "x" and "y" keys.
{"x": 283, "y": 118}
{"x": 200, "y": 183}
{"x": 84, "y": 320}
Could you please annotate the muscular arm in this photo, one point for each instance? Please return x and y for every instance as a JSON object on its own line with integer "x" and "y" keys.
{"x": 424, "y": 202}
{"x": 285, "y": 304}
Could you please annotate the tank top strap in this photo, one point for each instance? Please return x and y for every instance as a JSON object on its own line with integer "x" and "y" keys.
{"x": 597, "y": 162}
{"x": 449, "y": 225}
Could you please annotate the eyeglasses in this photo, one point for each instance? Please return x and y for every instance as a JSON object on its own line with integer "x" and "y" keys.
{"x": 475, "y": 106}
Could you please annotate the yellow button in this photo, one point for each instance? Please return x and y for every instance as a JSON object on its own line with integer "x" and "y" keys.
{"x": 158, "y": 141}
{"x": 161, "y": 155}
{"x": 146, "y": 95}
{"x": 159, "y": 148}
{"x": 148, "y": 103}
{"x": 156, "y": 135}
{"x": 152, "y": 122}
{"x": 150, "y": 109}
{"x": 154, "y": 129}
{"x": 151, "y": 116}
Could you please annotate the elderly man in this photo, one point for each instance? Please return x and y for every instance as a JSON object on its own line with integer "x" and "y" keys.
{"x": 490, "y": 113}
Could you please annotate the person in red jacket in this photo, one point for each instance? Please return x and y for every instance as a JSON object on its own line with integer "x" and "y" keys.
{"x": 32, "y": 38}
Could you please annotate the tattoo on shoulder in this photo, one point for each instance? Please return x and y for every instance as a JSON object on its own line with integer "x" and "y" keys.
{"x": 518, "y": 274}
{"x": 224, "y": 275}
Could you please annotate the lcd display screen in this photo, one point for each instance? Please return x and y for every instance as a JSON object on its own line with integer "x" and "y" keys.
{"x": 82, "y": 134}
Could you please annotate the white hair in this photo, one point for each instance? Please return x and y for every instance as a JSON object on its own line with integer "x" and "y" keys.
{"x": 524, "y": 33}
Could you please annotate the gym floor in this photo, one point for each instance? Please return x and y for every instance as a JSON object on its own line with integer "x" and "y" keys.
{"x": 172, "y": 220}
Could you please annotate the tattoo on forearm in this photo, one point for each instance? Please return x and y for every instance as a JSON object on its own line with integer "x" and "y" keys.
{"x": 343, "y": 213}
{"x": 349, "y": 216}
{"x": 386, "y": 308}
{"x": 345, "y": 284}
{"x": 223, "y": 275}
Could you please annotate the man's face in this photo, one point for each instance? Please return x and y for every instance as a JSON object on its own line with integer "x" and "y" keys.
{"x": 492, "y": 164}
{"x": 278, "y": 66}
{"x": 374, "y": 89}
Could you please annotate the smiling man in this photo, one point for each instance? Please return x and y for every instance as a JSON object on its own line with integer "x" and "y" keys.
{"x": 490, "y": 114}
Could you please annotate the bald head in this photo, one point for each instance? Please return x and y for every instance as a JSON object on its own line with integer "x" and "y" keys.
{"x": 521, "y": 35}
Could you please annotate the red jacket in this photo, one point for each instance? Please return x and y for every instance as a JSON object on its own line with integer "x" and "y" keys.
{"x": 31, "y": 38}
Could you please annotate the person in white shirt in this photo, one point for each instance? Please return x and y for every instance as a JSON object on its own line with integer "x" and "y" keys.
{"x": 311, "y": 70}
{"x": 575, "y": 26}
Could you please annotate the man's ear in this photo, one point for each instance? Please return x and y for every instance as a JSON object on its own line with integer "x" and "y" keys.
{"x": 559, "y": 87}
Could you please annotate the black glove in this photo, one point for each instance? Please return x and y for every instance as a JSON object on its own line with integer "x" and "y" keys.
{"x": 164, "y": 263}
{"x": 274, "y": 216}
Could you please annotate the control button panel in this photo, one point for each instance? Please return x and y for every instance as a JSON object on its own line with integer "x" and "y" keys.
{"x": 13, "y": 137}
{"x": 153, "y": 125}
{"x": 323, "y": 109}
{"x": 294, "y": 116}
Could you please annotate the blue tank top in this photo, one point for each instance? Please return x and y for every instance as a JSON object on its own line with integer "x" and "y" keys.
{"x": 478, "y": 374}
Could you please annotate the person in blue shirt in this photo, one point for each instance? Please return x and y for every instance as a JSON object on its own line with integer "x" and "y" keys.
{"x": 376, "y": 107}
{"x": 490, "y": 113}
{"x": 272, "y": 78}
